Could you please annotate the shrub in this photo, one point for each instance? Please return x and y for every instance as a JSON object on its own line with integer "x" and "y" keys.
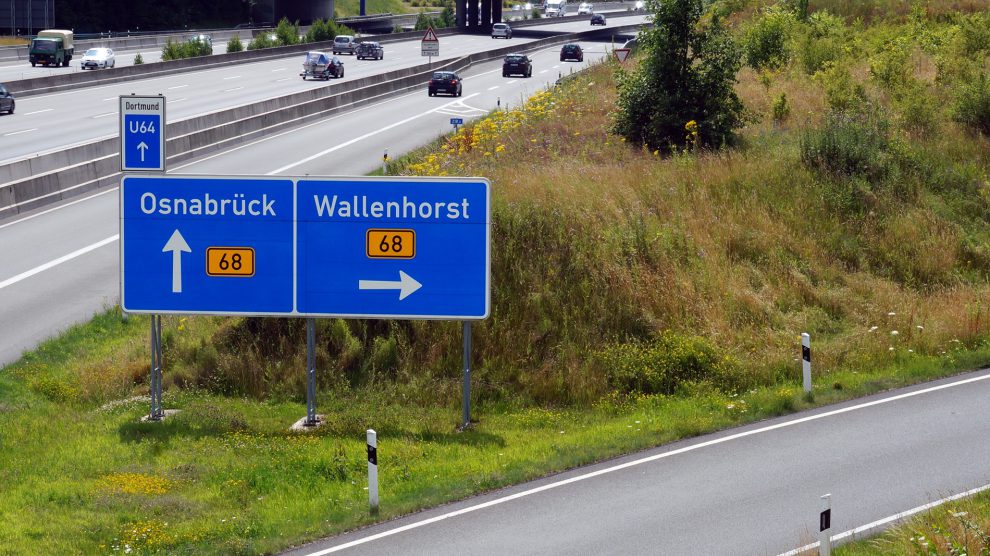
{"x": 814, "y": 53}
{"x": 263, "y": 40}
{"x": 234, "y": 44}
{"x": 423, "y": 22}
{"x": 850, "y": 144}
{"x": 664, "y": 364}
{"x": 687, "y": 74}
{"x": 138, "y": 59}
{"x": 780, "y": 108}
{"x": 287, "y": 33}
{"x": 171, "y": 51}
{"x": 536, "y": 13}
{"x": 919, "y": 111}
{"x": 766, "y": 39}
{"x": 321, "y": 31}
{"x": 972, "y": 105}
{"x": 889, "y": 67}
{"x": 841, "y": 91}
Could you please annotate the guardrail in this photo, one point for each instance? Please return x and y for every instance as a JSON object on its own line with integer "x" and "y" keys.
{"x": 195, "y": 136}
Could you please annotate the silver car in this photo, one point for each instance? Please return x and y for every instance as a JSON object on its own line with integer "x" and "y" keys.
{"x": 98, "y": 58}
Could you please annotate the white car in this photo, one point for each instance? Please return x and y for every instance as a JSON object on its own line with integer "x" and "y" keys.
{"x": 528, "y": 6}
{"x": 639, "y": 6}
{"x": 501, "y": 30}
{"x": 584, "y": 8}
{"x": 98, "y": 58}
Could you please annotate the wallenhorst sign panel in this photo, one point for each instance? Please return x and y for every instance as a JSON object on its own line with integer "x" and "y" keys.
{"x": 341, "y": 247}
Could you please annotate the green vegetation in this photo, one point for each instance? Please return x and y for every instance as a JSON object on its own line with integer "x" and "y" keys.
{"x": 188, "y": 49}
{"x": 138, "y": 59}
{"x": 445, "y": 19}
{"x": 235, "y": 44}
{"x": 288, "y": 34}
{"x": 638, "y": 297}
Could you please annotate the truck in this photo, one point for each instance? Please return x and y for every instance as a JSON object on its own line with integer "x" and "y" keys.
{"x": 556, "y": 8}
{"x": 51, "y": 47}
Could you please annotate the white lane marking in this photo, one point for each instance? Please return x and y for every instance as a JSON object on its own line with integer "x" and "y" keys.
{"x": 544, "y": 71}
{"x": 234, "y": 89}
{"x": 511, "y": 81}
{"x": 889, "y": 519}
{"x": 60, "y": 207}
{"x": 39, "y": 111}
{"x": 493, "y": 88}
{"x": 104, "y": 115}
{"x": 53, "y": 263}
{"x": 363, "y": 137}
{"x": 281, "y": 79}
{"x": 177, "y": 100}
{"x": 111, "y": 98}
{"x": 641, "y": 461}
{"x": 19, "y": 132}
{"x": 279, "y": 69}
{"x": 234, "y": 77}
{"x": 177, "y": 87}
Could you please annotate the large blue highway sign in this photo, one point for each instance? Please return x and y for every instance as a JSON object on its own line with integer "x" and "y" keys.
{"x": 354, "y": 247}
{"x": 142, "y": 133}
{"x": 204, "y": 245}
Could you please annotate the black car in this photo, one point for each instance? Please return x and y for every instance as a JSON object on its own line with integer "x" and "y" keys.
{"x": 335, "y": 67}
{"x": 6, "y": 100}
{"x": 369, "y": 49}
{"x": 517, "y": 64}
{"x": 445, "y": 82}
{"x": 598, "y": 19}
{"x": 571, "y": 52}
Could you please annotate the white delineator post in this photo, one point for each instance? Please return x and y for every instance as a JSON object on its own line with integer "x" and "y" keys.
{"x": 373, "y": 469}
{"x": 825, "y": 527}
{"x": 806, "y": 360}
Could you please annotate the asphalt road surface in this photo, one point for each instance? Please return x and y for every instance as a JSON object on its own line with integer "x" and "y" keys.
{"x": 753, "y": 490}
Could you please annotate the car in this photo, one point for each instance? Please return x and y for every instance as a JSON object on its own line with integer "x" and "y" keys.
{"x": 598, "y": 19}
{"x": 445, "y": 82}
{"x": 6, "y": 100}
{"x": 344, "y": 44}
{"x": 585, "y": 8}
{"x": 501, "y": 30}
{"x": 98, "y": 58}
{"x": 369, "y": 49}
{"x": 517, "y": 64}
{"x": 517, "y": 7}
{"x": 321, "y": 66}
{"x": 571, "y": 52}
{"x": 528, "y": 6}
{"x": 639, "y": 6}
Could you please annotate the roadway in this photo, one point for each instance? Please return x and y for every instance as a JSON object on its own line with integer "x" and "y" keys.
{"x": 61, "y": 263}
{"x": 752, "y": 490}
{"x": 51, "y": 122}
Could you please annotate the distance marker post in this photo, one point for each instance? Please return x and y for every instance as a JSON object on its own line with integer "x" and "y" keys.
{"x": 373, "y": 470}
{"x": 806, "y": 361}
{"x": 825, "y": 527}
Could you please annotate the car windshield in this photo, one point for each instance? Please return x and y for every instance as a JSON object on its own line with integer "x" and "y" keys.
{"x": 92, "y": 52}
{"x": 43, "y": 46}
{"x": 515, "y": 59}
{"x": 342, "y": 39}
{"x": 442, "y": 76}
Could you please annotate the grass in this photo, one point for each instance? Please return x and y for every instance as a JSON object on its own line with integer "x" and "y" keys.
{"x": 13, "y": 41}
{"x": 346, "y": 8}
{"x": 610, "y": 263}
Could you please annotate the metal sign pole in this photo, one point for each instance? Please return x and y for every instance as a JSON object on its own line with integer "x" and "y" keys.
{"x": 154, "y": 365}
{"x": 310, "y": 372}
{"x": 466, "y": 415}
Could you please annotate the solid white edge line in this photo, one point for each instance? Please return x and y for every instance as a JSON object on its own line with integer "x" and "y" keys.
{"x": 889, "y": 519}
{"x": 53, "y": 263}
{"x": 60, "y": 207}
{"x": 640, "y": 461}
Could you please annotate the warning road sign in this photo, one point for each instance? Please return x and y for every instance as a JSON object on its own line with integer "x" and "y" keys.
{"x": 430, "y": 45}
{"x": 430, "y": 35}
{"x": 622, "y": 54}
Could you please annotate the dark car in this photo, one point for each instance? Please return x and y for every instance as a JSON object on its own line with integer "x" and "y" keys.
{"x": 6, "y": 100}
{"x": 571, "y": 52}
{"x": 517, "y": 64}
{"x": 369, "y": 49}
{"x": 598, "y": 19}
{"x": 335, "y": 67}
{"x": 445, "y": 82}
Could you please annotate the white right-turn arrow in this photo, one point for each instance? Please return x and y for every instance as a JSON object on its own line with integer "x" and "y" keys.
{"x": 406, "y": 285}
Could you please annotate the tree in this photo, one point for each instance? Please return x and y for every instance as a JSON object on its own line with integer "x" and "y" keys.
{"x": 682, "y": 92}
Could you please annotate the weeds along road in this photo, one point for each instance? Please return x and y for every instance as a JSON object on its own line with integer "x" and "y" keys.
{"x": 752, "y": 490}
{"x": 62, "y": 262}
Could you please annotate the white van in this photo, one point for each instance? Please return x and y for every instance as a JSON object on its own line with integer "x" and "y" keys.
{"x": 556, "y": 8}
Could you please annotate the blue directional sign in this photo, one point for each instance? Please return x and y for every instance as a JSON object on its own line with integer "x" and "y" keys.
{"x": 393, "y": 248}
{"x": 206, "y": 245}
{"x": 457, "y": 121}
{"x": 407, "y": 248}
{"x": 142, "y": 133}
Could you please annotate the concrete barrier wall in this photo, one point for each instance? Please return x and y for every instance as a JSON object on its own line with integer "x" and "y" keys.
{"x": 210, "y": 132}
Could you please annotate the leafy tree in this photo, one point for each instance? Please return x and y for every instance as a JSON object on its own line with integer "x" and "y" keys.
{"x": 287, "y": 33}
{"x": 686, "y": 77}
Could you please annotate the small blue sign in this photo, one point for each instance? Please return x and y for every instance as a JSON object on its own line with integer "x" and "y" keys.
{"x": 397, "y": 248}
{"x": 142, "y": 133}
{"x": 206, "y": 245}
{"x": 457, "y": 121}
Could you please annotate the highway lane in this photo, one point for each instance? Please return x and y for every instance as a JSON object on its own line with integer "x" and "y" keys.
{"x": 51, "y": 122}
{"x": 38, "y": 300}
{"x": 752, "y": 490}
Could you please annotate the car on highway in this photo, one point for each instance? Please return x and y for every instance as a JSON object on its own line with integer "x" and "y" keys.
{"x": 517, "y": 64}
{"x": 586, "y": 8}
{"x": 321, "y": 66}
{"x": 501, "y": 30}
{"x": 6, "y": 100}
{"x": 598, "y": 19}
{"x": 445, "y": 82}
{"x": 369, "y": 49}
{"x": 639, "y": 6}
{"x": 528, "y": 6}
{"x": 571, "y": 52}
{"x": 344, "y": 44}
{"x": 205, "y": 40}
{"x": 98, "y": 58}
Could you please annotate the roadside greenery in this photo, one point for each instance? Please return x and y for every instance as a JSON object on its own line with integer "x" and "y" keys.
{"x": 138, "y": 59}
{"x": 188, "y": 49}
{"x": 235, "y": 44}
{"x": 444, "y": 20}
{"x": 287, "y": 33}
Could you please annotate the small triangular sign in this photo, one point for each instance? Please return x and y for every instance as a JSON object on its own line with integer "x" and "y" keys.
{"x": 430, "y": 35}
{"x": 622, "y": 54}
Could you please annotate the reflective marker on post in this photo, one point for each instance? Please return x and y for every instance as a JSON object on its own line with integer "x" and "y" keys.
{"x": 825, "y": 527}
{"x": 806, "y": 360}
{"x": 373, "y": 470}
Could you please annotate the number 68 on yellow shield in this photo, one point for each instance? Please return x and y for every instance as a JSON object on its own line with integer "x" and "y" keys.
{"x": 230, "y": 261}
{"x": 390, "y": 244}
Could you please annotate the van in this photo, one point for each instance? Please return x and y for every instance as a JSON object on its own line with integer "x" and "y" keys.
{"x": 556, "y": 8}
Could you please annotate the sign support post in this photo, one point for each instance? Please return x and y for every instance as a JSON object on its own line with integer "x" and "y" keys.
{"x": 155, "y": 387}
{"x": 466, "y": 414}
{"x": 311, "y": 373}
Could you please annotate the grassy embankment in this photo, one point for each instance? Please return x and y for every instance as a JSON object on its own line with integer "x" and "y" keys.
{"x": 636, "y": 299}
{"x": 12, "y": 41}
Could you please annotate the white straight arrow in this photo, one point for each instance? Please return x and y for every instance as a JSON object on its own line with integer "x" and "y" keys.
{"x": 142, "y": 146}
{"x": 406, "y": 285}
{"x": 176, "y": 244}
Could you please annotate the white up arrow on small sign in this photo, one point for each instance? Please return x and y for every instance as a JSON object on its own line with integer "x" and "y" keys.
{"x": 407, "y": 285}
{"x": 176, "y": 244}
{"x": 142, "y": 146}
